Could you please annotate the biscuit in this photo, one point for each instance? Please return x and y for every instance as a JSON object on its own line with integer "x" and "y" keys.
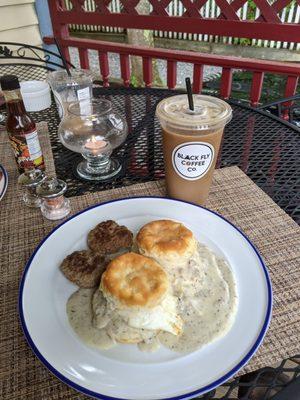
{"x": 84, "y": 268}
{"x": 134, "y": 280}
{"x": 166, "y": 241}
{"x": 109, "y": 237}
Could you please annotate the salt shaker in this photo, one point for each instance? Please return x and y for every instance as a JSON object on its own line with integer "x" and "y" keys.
{"x": 29, "y": 181}
{"x": 54, "y": 204}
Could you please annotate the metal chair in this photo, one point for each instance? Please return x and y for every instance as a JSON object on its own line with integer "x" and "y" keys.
{"x": 27, "y": 62}
{"x": 290, "y": 105}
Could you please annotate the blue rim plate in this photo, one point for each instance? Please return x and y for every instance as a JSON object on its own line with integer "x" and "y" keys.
{"x": 3, "y": 181}
{"x": 126, "y": 373}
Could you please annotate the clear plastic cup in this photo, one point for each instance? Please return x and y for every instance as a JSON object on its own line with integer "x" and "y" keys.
{"x": 67, "y": 89}
{"x": 191, "y": 142}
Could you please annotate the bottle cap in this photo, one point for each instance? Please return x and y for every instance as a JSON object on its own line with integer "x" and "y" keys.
{"x": 31, "y": 178}
{"x": 9, "y": 82}
{"x": 51, "y": 188}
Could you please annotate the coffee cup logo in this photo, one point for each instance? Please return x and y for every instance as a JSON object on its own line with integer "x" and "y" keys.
{"x": 192, "y": 160}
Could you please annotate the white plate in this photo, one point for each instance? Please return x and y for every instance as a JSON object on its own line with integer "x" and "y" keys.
{"x": 124, "y": 372}
{"x": 3, "y": 181}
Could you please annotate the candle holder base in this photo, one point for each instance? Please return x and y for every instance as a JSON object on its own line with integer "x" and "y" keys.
{"x": 92, "y": 172}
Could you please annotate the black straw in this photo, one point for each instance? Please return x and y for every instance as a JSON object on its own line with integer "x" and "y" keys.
{"x": 189, "y": 93}
{"x": 62, "y": 57}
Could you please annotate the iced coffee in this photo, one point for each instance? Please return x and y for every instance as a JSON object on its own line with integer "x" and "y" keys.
{"x": 191, "y": 142}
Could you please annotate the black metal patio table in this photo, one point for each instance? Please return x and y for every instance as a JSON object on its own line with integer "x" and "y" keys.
{"x": 266, "y": 148}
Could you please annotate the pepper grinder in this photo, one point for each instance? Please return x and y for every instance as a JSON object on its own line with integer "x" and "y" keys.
{"x": 29, "y": 181}
{"x": 54, "y": 204}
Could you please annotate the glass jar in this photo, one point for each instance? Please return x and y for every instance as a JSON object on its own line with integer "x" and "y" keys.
{"x": 53, "y": 203}
{"x": 92, "y": 128}
{"x": 29, "y": 182}
{"x": 66, "y": 89}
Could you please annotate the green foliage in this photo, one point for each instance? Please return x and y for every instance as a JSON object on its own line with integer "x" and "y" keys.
{"x": 244, "y": 41}
{"x": 251, "y": 10}
{"x": 134, "y": 81}
{"x": 148, "y": 35}
{"x": 289, "y": 6}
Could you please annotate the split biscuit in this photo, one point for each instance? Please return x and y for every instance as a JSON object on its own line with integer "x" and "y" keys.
{"x": 134, "y": 280}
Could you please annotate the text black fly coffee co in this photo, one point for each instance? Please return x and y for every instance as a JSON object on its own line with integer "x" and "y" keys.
{"x": 193, "y": 160}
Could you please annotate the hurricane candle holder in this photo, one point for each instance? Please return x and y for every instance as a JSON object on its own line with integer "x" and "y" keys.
{"x": 94, "y": 130}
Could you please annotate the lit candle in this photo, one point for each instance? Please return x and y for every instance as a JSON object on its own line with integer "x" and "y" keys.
{"x": 95, "y": 145}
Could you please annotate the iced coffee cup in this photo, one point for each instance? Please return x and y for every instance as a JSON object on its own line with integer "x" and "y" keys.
{"x": 191, "y": 142}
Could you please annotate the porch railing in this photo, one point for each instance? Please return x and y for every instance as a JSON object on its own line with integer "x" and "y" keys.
{"x": 249, "y": 11}
{"x": 267, "y": 26}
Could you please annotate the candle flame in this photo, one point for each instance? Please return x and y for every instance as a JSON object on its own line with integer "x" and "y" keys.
{"x": 95, "y": 145}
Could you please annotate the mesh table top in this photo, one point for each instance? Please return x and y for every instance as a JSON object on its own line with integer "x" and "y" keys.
{"x": 264, "y": 147}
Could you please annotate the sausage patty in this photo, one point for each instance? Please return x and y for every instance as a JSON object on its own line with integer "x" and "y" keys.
{"x": 109, "y": 237}
{"x": 84, "y": 268}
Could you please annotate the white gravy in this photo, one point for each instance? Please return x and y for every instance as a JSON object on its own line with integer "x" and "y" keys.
{"x": 207, "y": 296}
{"x": 89, "y": 316}
{"x": 79, "y": 311}
{"x": 207, "y": 301}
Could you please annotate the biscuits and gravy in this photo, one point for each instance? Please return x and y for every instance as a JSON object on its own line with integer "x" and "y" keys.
{"x": 172, "y": 290}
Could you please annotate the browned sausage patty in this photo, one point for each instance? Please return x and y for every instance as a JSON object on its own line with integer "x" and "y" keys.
{"x": 109, "y": 237}
{"x": 83, "y": 268}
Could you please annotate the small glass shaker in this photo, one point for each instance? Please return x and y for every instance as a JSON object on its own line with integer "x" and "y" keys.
{"x": 54, "y": 204}
{"x": 29, "y": 181}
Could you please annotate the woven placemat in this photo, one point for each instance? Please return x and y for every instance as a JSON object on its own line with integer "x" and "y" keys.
{"x": 233, "y": 195}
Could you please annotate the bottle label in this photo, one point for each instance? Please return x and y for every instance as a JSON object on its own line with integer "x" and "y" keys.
{"x": 62, "y": 105}
{"x": 193, "y": 160}
{"x": 85, "y": 106}
{"x": 33, "y": 144}
{"x": 27, "y": 150}
{"x": 83, "y": 94}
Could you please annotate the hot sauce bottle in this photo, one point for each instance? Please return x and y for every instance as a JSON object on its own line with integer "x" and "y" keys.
{"x": 20, "y": 127}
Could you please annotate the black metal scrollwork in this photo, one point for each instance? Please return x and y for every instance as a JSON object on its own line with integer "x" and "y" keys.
{"x": 22, "y": 53}
{"x": 5, "y": 51}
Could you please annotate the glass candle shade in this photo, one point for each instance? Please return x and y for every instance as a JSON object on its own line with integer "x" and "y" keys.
{"x": 94, "y": 130}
